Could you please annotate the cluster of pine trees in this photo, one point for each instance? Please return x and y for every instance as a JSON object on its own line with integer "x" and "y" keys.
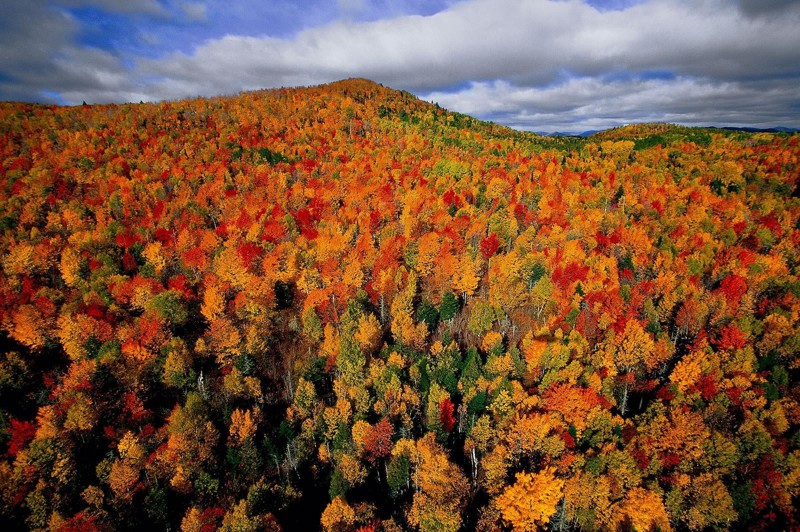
{"x": 340, "y": 307}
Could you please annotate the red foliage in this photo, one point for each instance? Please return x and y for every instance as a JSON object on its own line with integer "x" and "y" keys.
{"x": 129, "y": 262}
{"x": 210, "y": 519}
{"x": 565, "y": 276}
{"x": 372, "y": 526}
{"x": 180, "y": 284}
{"x": 446, "y": 415}
{"x": 305, "y": 223}
{"x": 80, "y": 522}
{"x": 771, "y": 222}
{"x": 730, "y": 337}
{"x": 21, "y": 433}
{"x": 735, "y": 395}
{"x": 158, "y": 210}
{"x": 451, "y": 198}
{"x": 665, "y": 393}
{"x": 707, "y": 387}
{"x": 249, "y": 253}
{"x": 378, "y": 441}
{"x": 670, "y": 459}
{"x": 489, "y": 245}
{"x": 126, "y": 239}
{"x": 273, "y": 231}
{"x": 641, "y": 458}
{"x": 733, "y": 288}
{"x": 134, "y": 408}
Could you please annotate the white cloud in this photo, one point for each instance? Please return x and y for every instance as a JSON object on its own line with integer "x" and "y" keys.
{"x": 531, "y": 41}
{"x": 534, "y": 64}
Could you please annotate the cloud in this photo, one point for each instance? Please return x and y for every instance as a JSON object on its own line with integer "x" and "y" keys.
{"x": 530, "y": 41}
{"x": 581, "y": 104}
{"x": 195, "y": 10}
{"x": 756, "y": 8}
{"x": 351, "y": 6}
{"x": 151, "y": 7}
{"x": 534, "y": 64}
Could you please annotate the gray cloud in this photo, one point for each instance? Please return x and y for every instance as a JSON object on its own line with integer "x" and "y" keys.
{"x": 533, "y": 64}
{"x": 194, "y": 10}
{"x": 591, "y": 103}
{"x": 755, "y": 8}
{"x": 152, "y": 7}
{"x": 40, "y": 62}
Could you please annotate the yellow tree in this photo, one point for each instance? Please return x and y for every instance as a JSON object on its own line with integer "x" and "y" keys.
{"x": 338, "y": 515}
{"x": 642, "y": 510}
{"x": 441, "y": 489}
{"x": 532, "y": 500}
{"x": 124, "y": 474}
{"x": 632, "y": 349}
{"x": 369, "y": 333}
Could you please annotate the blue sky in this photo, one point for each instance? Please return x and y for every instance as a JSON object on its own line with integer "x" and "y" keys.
{"x": 541, "y": 65}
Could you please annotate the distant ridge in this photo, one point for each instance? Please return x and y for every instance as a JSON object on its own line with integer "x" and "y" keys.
{"x": 591, "y": 132}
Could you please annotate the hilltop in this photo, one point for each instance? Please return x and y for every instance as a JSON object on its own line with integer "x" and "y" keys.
{"x": 342, "y": 307}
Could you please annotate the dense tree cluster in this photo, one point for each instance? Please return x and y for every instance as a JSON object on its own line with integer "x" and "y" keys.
{"x": 340, "y": 307}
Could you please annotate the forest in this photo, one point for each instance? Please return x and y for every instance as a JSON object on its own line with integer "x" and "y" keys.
{"x": 344, "y": 308}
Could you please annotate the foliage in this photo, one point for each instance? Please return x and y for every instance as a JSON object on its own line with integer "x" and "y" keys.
{"x": 343, "y": 307}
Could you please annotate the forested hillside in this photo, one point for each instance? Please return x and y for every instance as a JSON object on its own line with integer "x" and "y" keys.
{"x": 343, "y": 308}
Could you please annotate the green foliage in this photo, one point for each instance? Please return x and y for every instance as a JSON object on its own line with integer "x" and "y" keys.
{"x": 448, "y": 307}
{"x": 398, "y": 474}
{"x": 428, "y": 314}
{"x": 338, "y": 485}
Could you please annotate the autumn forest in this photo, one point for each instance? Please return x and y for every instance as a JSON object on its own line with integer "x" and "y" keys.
{"x": 344, "y": 308}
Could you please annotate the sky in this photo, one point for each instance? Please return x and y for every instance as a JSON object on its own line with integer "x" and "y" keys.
{"x": 537, "y": 65}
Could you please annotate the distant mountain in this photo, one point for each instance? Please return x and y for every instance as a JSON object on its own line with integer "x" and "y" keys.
{"x": 591, "y": 132}
{"x": 759, "y": 130}
{"x": 583, "y": 134}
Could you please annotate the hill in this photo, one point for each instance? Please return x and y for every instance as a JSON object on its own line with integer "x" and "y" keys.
{"x": 340, "y": 307}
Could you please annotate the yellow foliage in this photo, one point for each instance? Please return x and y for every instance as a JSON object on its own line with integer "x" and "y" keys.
{"x": 228, "y": 266}
{"x": 687, "y": 371}
{"x": 532, "y": 500}
{"x": 441, "y": 489}
{"x": 359, "y": 431}
{"x": 643, "y": 510}
{"x": 330, "y": 343}
{"x": 238, "y": 520}
{"x": 495, "y": 468}
{"x": 20, "y": 260}
{"x": 338, "y": 515}
{"x": 466, "y": 277}
{"x": 353, "y": 276}
{"x": 243, "y": 426}
{"x": 526, "y": 434}
{"x": 82, "y": 415}
{"x": 70, "y": 267}
{"x": 491, "y": 340}
{"x": 213, "y": 303}
{"x": 28, "y": 327}
{"x": 633, "y": 347}
{"x": 369, "y": 333}
{"x": 406, "y": 332}
{"x": 154, "y": 254}
{"x": 533, "y": 348}
{"x": 352, "y": 469}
